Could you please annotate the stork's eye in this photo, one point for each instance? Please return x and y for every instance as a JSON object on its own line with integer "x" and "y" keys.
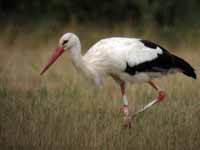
{"x": 65, "y": 41}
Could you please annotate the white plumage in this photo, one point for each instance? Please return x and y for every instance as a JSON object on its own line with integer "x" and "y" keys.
{"x": 111, "y": 55}
{"x": 124, "y": 59}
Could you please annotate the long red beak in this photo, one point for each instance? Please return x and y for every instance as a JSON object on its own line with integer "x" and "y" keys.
{"x": 57, "y": 52}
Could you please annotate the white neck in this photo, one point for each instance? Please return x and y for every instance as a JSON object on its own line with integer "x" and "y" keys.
{"x": 80, "y": 63}
{"x": 75, "y": 55}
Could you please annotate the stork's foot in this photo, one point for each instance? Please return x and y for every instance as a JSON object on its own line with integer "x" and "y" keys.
{"x": 127, "y": 122}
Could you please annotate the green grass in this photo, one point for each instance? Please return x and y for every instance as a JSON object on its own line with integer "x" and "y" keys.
{"x": 62, "y": 111}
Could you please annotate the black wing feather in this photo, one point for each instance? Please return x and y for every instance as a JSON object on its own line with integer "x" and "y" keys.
{"x": 163, "y": 63}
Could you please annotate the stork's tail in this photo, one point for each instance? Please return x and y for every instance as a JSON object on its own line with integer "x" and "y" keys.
{"x": 185, "y": 67}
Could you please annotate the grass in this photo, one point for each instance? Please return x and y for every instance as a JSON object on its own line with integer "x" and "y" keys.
{"x": 62, "y": 111}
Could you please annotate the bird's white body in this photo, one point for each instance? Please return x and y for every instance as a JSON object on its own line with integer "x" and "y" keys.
{"x": 110, "y": 57}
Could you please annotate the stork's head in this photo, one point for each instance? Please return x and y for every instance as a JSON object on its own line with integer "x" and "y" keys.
{"x": 66, "y": 42}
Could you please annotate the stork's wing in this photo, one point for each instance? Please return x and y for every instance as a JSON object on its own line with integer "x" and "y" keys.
{"x": 134, "y": 55}
{"x": 150, "y": 58}
{"x": 143, "y": 51}
{"x": 117, "y": 53}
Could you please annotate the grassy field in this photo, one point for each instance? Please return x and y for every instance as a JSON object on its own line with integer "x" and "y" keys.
{"x": 60, "y": 110}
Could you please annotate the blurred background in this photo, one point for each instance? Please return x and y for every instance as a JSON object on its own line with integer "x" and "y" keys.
{"x": 157, "y": 12}
{"x": 60, "y": 110}
{"x": 174, "y": 20}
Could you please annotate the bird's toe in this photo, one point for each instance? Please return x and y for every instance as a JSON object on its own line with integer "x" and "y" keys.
{"x": 127, "y": 122}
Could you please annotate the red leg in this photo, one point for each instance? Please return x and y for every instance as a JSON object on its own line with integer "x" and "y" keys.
{"x": 159, "y": 98}
{"x": 161, "y": 94}
{"x": 122, "y": 86}
{"x": 127, "y": 123}
{"x": 154, "y": 85}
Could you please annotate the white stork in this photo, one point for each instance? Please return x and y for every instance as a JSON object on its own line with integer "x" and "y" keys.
{"x": 125, "y": 60}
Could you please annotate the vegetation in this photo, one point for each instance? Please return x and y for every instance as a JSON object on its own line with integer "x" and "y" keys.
{"x": 159, "y": 12}
{"x": 61, "y": 111}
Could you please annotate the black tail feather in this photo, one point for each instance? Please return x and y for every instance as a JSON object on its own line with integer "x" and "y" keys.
{"x": 185, "y": 67}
